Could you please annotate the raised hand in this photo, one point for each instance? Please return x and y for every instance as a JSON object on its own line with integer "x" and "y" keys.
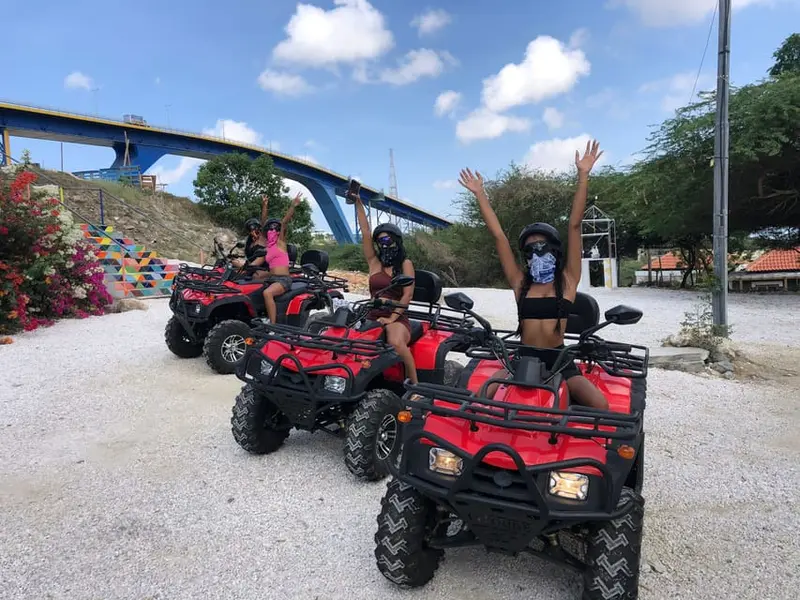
{"x": 297, "y": 199}
{"x": 474, "y": 183}
{"x": 589, "y": 158}
{"x": 264, "y": 200}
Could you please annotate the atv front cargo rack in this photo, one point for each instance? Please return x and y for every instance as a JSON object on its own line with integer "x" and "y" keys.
{"x": 296, "y": 338}
{"x": 575, "y": 421}
{"x": 620, "y": 360}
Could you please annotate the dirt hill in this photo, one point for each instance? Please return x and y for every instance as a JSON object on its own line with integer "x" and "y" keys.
{"x": 173, "y": 226}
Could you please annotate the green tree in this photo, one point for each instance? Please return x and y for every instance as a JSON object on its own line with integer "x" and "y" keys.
{"x": 230, "y": 187}
{"x": 787, "y": 57}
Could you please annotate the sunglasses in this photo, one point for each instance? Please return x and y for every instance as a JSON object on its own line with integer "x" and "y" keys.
{"x": 538, "y": 248}
{"x": 385, "y": 241}
{"x": 274, "y": 227}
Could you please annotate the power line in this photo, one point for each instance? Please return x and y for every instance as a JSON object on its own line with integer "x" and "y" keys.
{"x": 705, "y": 50}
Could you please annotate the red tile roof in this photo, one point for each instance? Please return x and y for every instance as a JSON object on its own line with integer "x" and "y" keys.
{"x": 667, "y": 262}
{"x": 776, "y": 260}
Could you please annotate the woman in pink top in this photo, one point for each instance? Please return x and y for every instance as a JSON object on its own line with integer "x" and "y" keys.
{"x": 279, "y": 280}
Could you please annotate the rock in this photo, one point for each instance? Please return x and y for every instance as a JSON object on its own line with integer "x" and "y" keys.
{"x": 729, "y": 375}
{"x": 656, "y": 566}
{"x": 126, "y": 304}
{"x": 690, "y": 360}
{"x": 722, "y": 366}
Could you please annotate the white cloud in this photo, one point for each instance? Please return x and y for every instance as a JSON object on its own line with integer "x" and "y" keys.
{"x": 351, "y": 32}
{"x": 676, "y": 90}
{"x": 445, "y": 184}
{"x": 483, "y": 124}
{"x": 557, "y": 154}
{"x": 579, "y": 38}
{"x": 431, "y": 21}
{"x": 286, "y": 84}
{"x": 236, "y": 131}
{"x": 447, "y": 103}
{"x": 548, "y": 69}
{"x": 553, "y": 118}
{"x": 176, "y": 174}
{"x": 158, "y": 80}
{"x": 661, "y": 13}
{"x": 416, "y": 65}
{"x": 78, "y": 81}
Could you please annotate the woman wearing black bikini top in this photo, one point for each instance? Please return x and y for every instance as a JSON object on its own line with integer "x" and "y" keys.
{"x": 546, "y": 289}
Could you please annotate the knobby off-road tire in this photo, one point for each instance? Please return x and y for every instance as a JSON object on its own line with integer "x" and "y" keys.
{"x": 318, "y": 321}
{"x": 217, "y": 341}
{"x": 362, "y": 431}
{"x": 255, "y": 423}
{"x": 178, "y": 340}
{"x": 452, "y": 371}
{"x": 613, "y": 554}
{"x": 401, "y": 551}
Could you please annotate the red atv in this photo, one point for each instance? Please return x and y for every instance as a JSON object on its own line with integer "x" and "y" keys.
{"x": 213, "y": 307}
{"x": 525, "y": 471}
{"x": 345, "y": 379}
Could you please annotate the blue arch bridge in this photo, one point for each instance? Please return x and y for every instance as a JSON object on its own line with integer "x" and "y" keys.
{"x": 145, "y": 145}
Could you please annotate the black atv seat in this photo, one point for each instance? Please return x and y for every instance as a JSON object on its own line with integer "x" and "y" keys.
{"x": 416, "y": 330}
{"x": 318, "y": 258}
{"x": 291, "y": 250}
{"x": 427, "y": 287}
{"x": 585, "y": 313}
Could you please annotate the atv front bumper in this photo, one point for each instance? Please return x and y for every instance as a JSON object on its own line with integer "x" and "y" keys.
{"x": 189, "y": 315}
{"x": 506, "y": 509}
{"x": 304, "y": 395}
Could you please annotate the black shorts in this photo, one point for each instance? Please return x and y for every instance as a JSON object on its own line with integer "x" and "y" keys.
{"x": 549, "y": 358}
{"x": 284, "y": 280}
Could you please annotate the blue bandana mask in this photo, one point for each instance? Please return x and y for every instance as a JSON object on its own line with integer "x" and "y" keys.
{"x": 543, "y": 268}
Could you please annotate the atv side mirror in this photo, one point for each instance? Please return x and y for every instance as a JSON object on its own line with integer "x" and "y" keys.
{"x": 311, "y": 268}
{"x": 459, "y": 301}
{"x": 623, "y": 315}
{"x": 402, "y": 281}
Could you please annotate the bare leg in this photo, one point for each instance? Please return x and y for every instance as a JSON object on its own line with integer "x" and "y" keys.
{"x": 398, "y": 336}
{"x": 582, "y": 391}
{"x": 275, "y": 289}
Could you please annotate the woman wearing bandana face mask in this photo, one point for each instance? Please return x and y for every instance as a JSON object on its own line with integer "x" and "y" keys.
{"x": 277, "y": 257}
{"x": 386, "y": 258}
{"x": 546, "y": 288}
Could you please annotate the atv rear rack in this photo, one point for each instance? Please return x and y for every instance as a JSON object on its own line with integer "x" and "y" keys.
{"x": 296, "y": 338}
{"x": 575, "y": 421}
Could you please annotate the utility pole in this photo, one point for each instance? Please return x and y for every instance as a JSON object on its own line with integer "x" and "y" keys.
{"x": 719, "y": 300}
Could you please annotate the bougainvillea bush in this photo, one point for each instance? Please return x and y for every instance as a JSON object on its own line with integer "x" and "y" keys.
{"x": 47, "y": 269}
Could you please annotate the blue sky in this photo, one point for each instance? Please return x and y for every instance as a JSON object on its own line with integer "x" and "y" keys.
{"x": 342, "y": 81}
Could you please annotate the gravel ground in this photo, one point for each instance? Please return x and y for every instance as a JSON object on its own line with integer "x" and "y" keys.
{"x": 120, "y": 479}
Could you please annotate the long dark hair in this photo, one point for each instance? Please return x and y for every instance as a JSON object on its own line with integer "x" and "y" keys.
{"x": 558, "y": 283}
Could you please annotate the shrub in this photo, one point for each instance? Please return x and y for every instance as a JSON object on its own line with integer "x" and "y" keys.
{"x": 47, "y": 270}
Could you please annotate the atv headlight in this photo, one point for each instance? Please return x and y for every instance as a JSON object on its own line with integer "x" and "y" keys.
{"x": 335, "y": 384}
{"x": 445, "y": 462}
{"x": 266, "y": 368}
{"x": 573, "y": 486}
{"x": 197, "y": 309}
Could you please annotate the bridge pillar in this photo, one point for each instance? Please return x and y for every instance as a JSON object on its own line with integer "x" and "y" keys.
{"x": 326, "y": 199}
{"x": 5, "y": 147}
{"x": 143, "y": 157}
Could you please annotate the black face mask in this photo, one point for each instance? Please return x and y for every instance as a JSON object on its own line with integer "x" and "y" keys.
{"x": 388, "y": 251}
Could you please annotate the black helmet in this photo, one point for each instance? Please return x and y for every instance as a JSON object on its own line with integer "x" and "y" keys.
{"x": 271, "y": 222}
{"x": 252, "y": 224}
{"x": 393, "y": 230}
{"x": 548, "y": 231}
